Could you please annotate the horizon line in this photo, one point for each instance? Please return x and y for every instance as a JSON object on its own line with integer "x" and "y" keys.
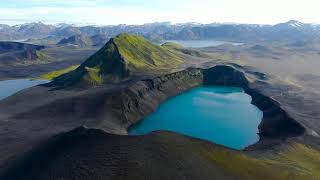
{"x": 80, "y": 24}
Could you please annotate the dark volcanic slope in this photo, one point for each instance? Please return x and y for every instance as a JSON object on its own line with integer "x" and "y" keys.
{"x": 13, "y": 51}
{"x": 93, "y": 154}
{"x": 90, "y": 154}
{"x": 16, "y": 46}
{"x": 54, "y": 59}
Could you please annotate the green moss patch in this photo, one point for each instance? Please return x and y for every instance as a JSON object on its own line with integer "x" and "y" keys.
{"x": 140, "y": 53}
{"x": 296, "y": 162}
{"x": 54, "y": 74}
{"x": 93, "y": 76}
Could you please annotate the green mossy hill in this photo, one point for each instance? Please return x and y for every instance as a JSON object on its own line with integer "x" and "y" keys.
{"x": 121, "y": 57}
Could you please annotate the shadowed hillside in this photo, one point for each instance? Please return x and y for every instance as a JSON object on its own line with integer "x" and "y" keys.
{"x": 93, "y": 154}
{"x": 15, "y": 51}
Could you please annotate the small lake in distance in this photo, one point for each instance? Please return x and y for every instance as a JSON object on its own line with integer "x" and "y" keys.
{"x": 222, "y": 115}
{"x": 202, "y": 43}
{"x": 10, "y": 87}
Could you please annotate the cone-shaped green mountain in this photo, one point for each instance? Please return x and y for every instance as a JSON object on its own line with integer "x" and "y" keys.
{"x": 121, "y": 57}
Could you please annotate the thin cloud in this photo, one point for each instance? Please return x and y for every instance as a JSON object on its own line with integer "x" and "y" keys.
{"x": 113, "y": 12}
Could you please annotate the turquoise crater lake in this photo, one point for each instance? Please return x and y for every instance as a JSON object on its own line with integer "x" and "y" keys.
{"x": 222, "y": 115}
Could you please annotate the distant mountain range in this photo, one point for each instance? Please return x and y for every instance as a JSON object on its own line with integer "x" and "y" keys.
{"x": 288, "y": 31}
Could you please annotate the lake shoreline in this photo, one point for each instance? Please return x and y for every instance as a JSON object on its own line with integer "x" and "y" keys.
{"x": 178, "y": 113}
{"x": 10, "y": 87}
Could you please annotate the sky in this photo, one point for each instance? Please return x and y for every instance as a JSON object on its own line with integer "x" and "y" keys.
{"x": 113, "y": 12}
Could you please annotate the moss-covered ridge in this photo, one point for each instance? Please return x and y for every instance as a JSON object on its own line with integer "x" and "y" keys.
{"x": 121, "y": 57}
{"x": 140, "y": 53}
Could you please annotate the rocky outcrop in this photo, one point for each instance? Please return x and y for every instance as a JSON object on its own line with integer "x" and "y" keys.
{"x": 276, "y": 122}
{"x": 224, "y": 76}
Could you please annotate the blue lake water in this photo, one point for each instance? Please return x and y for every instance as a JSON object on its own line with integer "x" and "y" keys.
{"x": 202, "y": 43}
{"x": 223, "y": 115}
{"x": 10, "y": 87}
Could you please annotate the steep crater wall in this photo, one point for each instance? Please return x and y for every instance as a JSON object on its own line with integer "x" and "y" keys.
{"x": 137, "y": 101}
{"x": 276, "y": 122}
{"x": 144, "y": 97}
{"x": 115, "y": 111}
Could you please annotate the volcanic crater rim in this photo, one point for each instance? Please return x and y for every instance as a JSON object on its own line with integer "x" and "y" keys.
{"x": 270, "y": 128}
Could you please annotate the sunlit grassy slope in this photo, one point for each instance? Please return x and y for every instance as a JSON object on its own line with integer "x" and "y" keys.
{"x": 299, "y": 158}
{"x": 140, "y": 53}
{"x": 296, "y": 162}
{"x": 54, "y": 74}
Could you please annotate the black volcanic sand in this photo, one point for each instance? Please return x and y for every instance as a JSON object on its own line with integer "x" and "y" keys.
{"x": 93, "y": 154}
{"x": 33, "y": 116}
